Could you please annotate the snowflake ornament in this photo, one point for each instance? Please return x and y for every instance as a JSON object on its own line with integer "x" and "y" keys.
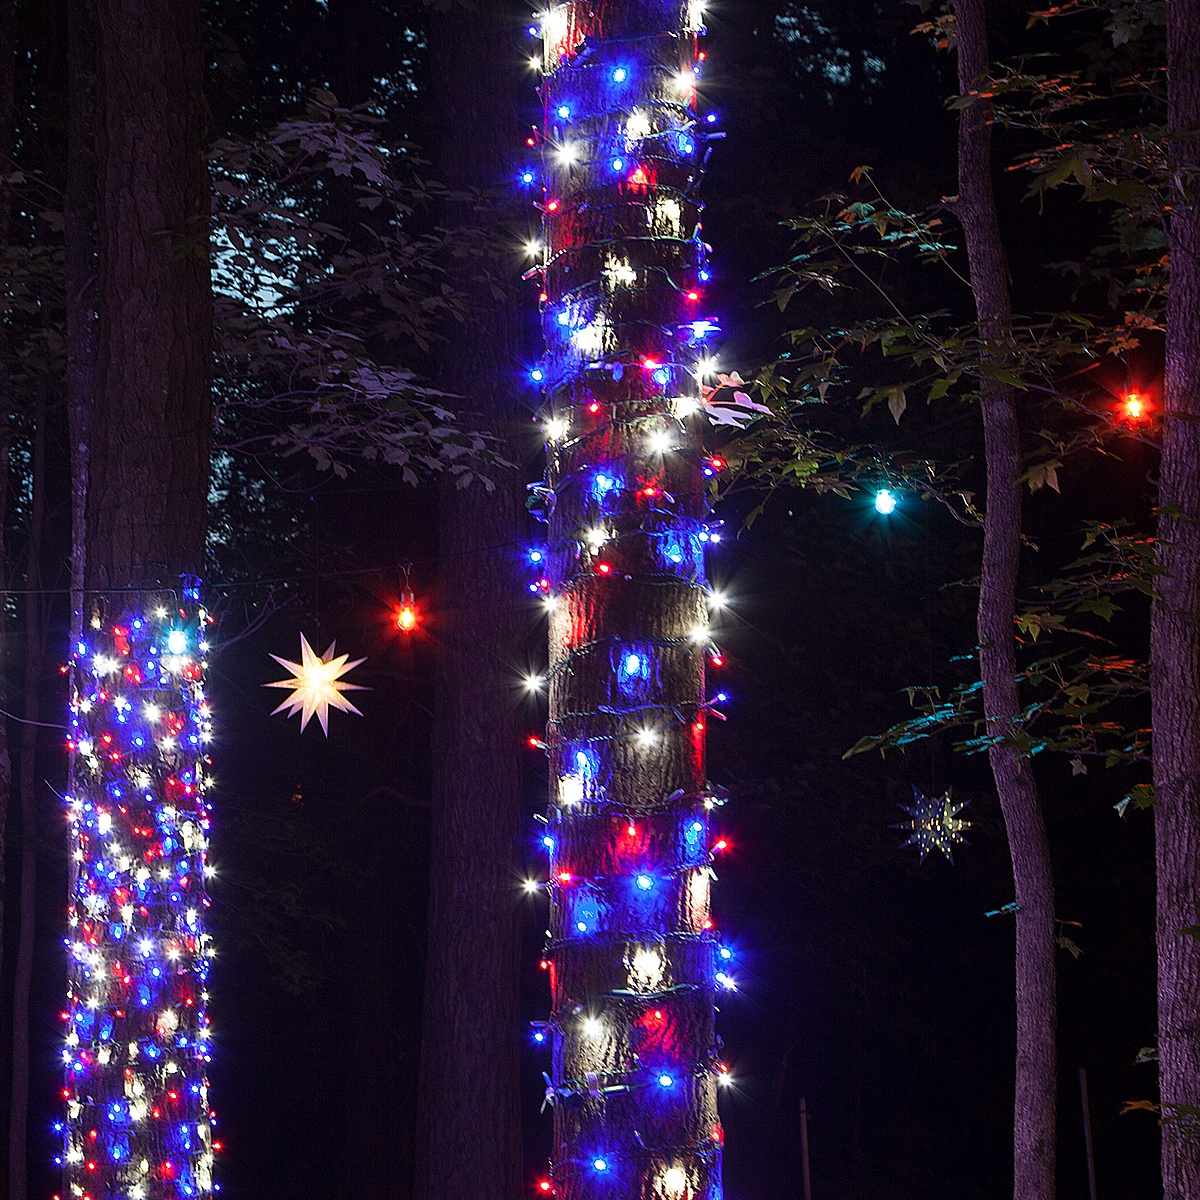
{"x": 935, "y": 823}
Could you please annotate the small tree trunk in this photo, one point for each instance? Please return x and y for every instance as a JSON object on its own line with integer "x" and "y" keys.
{"x": 469, "y": 1125}
{"x": 35, "y": 645}
{"x": 1036, "y": 1066}
{"x": 1175, "y": 632}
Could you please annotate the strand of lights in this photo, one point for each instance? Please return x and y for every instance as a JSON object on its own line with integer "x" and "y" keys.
{"x": 634, "y": 961}
{"x": 136, "y": 1030}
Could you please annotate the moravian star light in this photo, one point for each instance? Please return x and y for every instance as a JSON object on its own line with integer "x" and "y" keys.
{"x": 935, "y": 823}
{"x": 316, "y": 685}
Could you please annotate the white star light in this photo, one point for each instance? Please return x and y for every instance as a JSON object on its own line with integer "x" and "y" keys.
{"x": 316, "y": 685}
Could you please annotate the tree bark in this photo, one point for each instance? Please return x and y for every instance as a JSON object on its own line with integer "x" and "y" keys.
{"x": 1036, "y": 1066}
{"x": 633, "y": 959}
{"x": 1175, "y": 632}
{"x": 35, "y": 645}
{"x": 150, "y": 433}
{"x": 8, "y": 60}
{"x": 469, "y": 1130}
{"x": 80, "y": 277}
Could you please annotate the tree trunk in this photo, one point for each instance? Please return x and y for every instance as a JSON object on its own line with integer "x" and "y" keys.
{"x": 136, "y": 1088}
{"x": 1036, "y": 1066}
{"x": 80, "y": 277}
{"x": 469, "y": 1129}
{"x": 148, "y": 476}
{"x": 35, "y": 645}
{"x": 1175, "y": 632}
{"x": 633, "y": 959}
{"x": 8, "y": 62}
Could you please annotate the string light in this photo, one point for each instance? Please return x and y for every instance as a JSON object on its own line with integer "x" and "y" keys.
{"x": 136, "y": 1042}
{"x": 1133, "y": 407}
{"x": 629, "y": 849}
{"x": 885, "y": 502}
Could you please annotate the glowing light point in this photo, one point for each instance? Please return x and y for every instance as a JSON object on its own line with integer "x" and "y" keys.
{"x": 600, "y": 1164}
{"x": 316, "y": 685}
{"x": 885, "y": 502}
{"x": 645, "y": 882}
{"x": 665, "y": 1080}
{"x": 620, "y": 74}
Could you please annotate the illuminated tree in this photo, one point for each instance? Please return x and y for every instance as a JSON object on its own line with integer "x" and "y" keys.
{"x": 136, "y": 1034}
{"x": 633, "y": 959}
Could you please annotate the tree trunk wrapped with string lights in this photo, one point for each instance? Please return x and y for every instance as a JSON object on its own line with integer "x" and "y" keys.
{"x": 633, "y": 958}
{"x": 136, "y": 1027}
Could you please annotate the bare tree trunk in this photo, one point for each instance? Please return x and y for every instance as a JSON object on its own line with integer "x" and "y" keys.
{"x": 469, "y": 1128}
{"x": 8, "y": 52}
{"x": 633, "y": 959}
{"x": 80, "y": 273}
{"x": 1036, "y": 1067}
{"x": 1175, "y": 632}
{"x": 150, "y": 432}
{"x": 35, "y": 645}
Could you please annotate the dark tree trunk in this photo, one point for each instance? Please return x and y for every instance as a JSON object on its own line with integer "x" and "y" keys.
{"x": 35, "y": 646}
{"x": 632, "y": 954}
{"x": 1036, "y": 1067}
{"x": 148, "y": 474}
{"x": 1175, "y": 631}
{"x": 8, "y": 59}
{"x": 469, "y": 1132}
{"x": 80, "y": 277}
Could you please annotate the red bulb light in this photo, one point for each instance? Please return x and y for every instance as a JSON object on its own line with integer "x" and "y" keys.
{"x": 545, "y": 1186}
{"x": 1134, "y": 407}
{"x": 604, "y": 568}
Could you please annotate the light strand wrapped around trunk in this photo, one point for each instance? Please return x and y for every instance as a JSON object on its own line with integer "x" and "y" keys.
{"x": 136, "y": 1048}
{"x": 634, "y": 960}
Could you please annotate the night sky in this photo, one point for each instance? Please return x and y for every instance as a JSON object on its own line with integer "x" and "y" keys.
{"x": 874, "y": 988}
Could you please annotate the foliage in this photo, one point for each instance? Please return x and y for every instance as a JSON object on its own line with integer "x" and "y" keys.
{"x": 327, "y": 296}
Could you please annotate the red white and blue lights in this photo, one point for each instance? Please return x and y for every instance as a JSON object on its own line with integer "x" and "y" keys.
{"x": 634, "y": 960}
{"x": 136, "y": 1028}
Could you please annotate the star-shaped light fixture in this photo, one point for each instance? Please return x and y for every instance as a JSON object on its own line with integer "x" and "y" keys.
{"x": 316, "y": 685}
{"x": 935, "y": 823}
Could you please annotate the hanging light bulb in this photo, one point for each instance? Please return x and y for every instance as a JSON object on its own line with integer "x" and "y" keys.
{"x": 885, "y": 502}
{"x": 407, "y": 618}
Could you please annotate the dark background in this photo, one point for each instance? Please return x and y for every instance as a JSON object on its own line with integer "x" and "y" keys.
{"x": 873, "y": 986}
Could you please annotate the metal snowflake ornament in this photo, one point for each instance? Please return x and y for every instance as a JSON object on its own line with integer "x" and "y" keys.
{"x": 935, "y": 823}
{"x": 316, "y": 685}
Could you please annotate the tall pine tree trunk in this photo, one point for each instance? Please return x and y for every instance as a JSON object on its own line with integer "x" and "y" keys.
{"x": 8, "y": 62}
{"x": 148, "y": 473}
{"x": 1175, "y": 632}
{"x": 136, "y": 1079}
{"x": 34, "y": 665}
{"x": 1036, "y": 1066}
{"x": 469, "y": 1133}
{"x": 633, "y": 959}
{"x": 79, "y": 268}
